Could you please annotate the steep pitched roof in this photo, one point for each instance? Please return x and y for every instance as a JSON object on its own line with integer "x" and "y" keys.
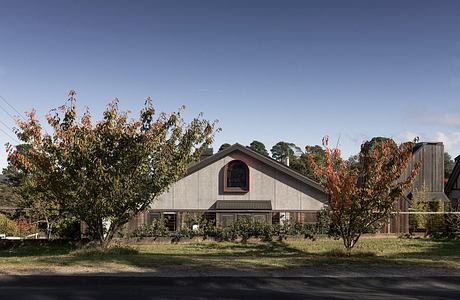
{"x": 453, "y": 176}
{"x": 256, "y": 155}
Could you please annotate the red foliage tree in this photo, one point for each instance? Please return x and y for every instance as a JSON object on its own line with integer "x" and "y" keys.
{"x": 361, "y": 198}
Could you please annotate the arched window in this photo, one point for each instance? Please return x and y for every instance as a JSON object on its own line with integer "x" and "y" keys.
{"x": 236, "y": 177}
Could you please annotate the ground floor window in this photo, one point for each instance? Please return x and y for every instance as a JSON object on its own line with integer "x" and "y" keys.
{"x": 241, "y": 217}
{"x": 170, "y": 220}
{"x": 284, "y": 217}
{"x": 226, "y": 220}
{"x": 261, "y": 218}
{"x": 275, "y": 218}
{"x": 153, "y": 216}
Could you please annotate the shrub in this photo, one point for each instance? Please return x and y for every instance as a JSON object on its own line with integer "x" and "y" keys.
{"x": 242, "y": 228}
{"x": 7, "y": 226}
{"x": 155, "y": 230}
{"x": 19, "y": 227}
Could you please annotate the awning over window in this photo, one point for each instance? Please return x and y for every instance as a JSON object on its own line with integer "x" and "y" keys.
{"x": 244, "y": 204}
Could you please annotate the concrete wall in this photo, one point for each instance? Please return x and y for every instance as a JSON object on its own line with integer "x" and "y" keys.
{"x": 201, "y": 189}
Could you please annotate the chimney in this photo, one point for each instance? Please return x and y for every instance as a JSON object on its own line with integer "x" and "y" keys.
{"x": 286, "y": 161}
{"x": 206, "y": 153}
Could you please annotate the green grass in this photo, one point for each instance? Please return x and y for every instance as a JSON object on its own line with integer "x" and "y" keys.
{"x": 376, "y": 252}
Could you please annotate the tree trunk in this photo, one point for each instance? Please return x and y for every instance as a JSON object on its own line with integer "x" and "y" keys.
{"x": 48, "y": 228}
{"x": 105, "y": 242}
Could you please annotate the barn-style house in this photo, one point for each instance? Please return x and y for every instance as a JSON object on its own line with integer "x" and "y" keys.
{"x": 239, "y": 182}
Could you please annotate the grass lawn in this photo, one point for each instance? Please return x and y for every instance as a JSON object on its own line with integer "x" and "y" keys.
{"x": 369, "y": 252}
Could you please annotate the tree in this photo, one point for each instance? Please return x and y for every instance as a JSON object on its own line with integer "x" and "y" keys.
{"x": 282, "y": 150}
{"x": 7, "y": 196}
{"x": 361, "y": 199}
{"x": 258, "y": 147}
{"x": 106, "y": 173}
{"x": 303, "y": 165}
{"x": 449, "y": 165}
{"x": 224, "y": 146}
{"x": 423, "y": 205}
{"x": 353, "y": 161}
{"x": 35, "y": 203}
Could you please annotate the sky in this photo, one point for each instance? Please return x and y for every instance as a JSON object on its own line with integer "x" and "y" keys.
{"x": 271, "y": 71}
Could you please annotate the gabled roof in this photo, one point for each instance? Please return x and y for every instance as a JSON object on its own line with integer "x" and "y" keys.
{"x": 256, "y": 155}
{"x": 453, "y": 176}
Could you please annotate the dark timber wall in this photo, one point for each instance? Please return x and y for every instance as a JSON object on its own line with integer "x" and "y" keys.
{"x": 431, "y": 172}
{"x": 430, "y": 176}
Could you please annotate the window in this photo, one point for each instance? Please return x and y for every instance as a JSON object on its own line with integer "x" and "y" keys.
{"x": 262, "y": 219}
{"x": 284, "y": 217}
{"x": 275, "y": 218}
{"x": 227, "y": 220}
{"x": 210, "y": 217}
{"x": 170, "y": 220}
{"x": 242, "y": 217}
{"x": 153, "y": 216}
{"x": 236, "y": 177}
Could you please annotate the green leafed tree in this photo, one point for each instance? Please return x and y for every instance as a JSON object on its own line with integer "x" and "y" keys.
{"x": 35, "y": 201}
{"x": 8, "y": 198}
{"x": 258, "y": 147}
{"x": 303, "y": 165}
{"x": 104, "y": 173}
{"x": 283, "y": 150}
{"x": 224, "y": 146}
{"x": 449, "y": 165}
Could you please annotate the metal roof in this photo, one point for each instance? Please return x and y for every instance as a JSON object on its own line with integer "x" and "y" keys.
{"x": 244, "y": 204}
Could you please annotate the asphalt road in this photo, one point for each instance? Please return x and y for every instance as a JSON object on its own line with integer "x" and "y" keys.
{"x": 140, "y": 288}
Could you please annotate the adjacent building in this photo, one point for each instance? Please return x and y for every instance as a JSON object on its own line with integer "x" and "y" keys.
{"x": 452, "y": 189}
{"x": 429, "y": 180}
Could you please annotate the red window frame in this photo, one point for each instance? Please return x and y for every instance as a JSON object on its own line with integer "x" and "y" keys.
{"x": 228, "y": 189}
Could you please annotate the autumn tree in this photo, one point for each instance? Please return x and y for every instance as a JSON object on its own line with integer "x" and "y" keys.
{"x": 258, "y": 147}
{"x": 362, "y": 198}
{"x": 107, "y": 172}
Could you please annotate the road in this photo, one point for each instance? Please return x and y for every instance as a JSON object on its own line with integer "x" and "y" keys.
{"x": 140, "y": 288}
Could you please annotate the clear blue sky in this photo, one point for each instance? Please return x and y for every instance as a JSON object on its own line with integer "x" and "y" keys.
{"x": 267, "y": 70}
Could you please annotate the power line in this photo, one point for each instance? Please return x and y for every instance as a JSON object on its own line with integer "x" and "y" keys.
{"x": 8, "y": 135}
{"x": 13, "y": 107}
{"x": 6, "y": 125}
{"x": 10, "y": 115}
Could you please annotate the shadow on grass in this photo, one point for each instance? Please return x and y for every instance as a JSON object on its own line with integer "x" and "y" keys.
{"x": 38, "y": 250}
{"x": 192, "y": 255}
{"x": 236, "y": 255}
{"x": 432, "y": 249}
